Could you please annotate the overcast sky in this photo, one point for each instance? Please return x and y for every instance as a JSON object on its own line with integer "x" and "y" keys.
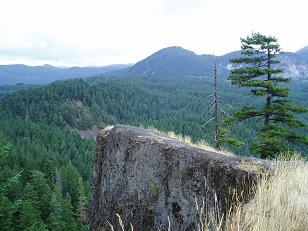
{"x": 102, "y": 32}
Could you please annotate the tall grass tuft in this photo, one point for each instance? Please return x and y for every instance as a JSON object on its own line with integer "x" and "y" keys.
{"x": 280, "y": 203}
{"x": 187, "y": 139}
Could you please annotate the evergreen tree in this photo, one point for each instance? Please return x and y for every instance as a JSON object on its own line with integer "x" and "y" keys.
{"x": 58, "y": 180}
{"x": 69, "y": 175}
{"x": 69, "y": 222}
{"x": 82, "y": 201}
{"x": 42, "y": 189}
{"x": 29, "y": 217}
{"x": 258, "y": 69}
{"x": 49, "y": 167}
{"x": 31, "y": 195}
{"x": 56, "y": 215}
{"x": 6, "y": 213}
{"x": 9, "y": 182}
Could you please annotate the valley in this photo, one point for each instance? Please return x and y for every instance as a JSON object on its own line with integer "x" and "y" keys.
{"x": 47, "y": 131}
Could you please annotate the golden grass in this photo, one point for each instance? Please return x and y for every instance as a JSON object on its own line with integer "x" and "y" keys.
{"x": 108, "y": 127}
{"x": 280, "y": 203}
{"x": 187, "y": 140}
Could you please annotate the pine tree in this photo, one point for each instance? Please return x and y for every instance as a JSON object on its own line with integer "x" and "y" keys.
{"x": 58, "y": 180}
{"x": 30, "y": 218}
{"x": 49, "y": 167}
{"x": 42, "y": 189}
{"x": 6, "y": 213}
{"x": 69, "y": 222}
{"x": 56, "y": 215}
{"x": 82, "y": 201}
{"x": 258, "y": 69}
{"x": 9, "y": 184}
{"x": 70, "y": 175}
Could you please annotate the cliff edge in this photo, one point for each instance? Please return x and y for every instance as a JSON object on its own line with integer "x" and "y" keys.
{"x": 148, "y": 178}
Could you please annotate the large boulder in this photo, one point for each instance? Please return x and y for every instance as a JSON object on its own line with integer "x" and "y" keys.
{"x": 153, "y": 181}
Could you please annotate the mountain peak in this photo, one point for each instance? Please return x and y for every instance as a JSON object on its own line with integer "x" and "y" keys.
{"x": 303, "y": 53}
{"x": 48, "y": 66}
{"x": 172, "y": 61}
{"x": 174, "y": 50}
{"x": 305, "y": 49}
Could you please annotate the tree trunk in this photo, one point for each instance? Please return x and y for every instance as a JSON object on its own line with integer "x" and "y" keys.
{"x": 264, "y": 155}
{"x": 217, "y": 112}
{"x": 267, "y": 112}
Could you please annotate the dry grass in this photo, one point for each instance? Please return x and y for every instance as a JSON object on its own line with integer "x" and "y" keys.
{"x": 280, "y": 203}
{"x": 187, "y": 139}
{"x": 108, "y": 127}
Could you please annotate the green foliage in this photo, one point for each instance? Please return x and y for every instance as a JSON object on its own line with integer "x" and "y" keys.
{"x": 170, "y": 104}
{"x": 56, "y": 215}
{"x": 82, "y": 201}
{"x": 70, "y": 176}
{"x": 38, "y": 148}
{"x": 6, "y": 213}
{"x": 30, "y": 213}
{"x": 42, "y": 189}
{"x": 9, "y": 183}
{"x": 5, "y": 89}
{"x": 68, "y": 215}
{"x": 30, "y": 156}
{"x": 258, "y": 71}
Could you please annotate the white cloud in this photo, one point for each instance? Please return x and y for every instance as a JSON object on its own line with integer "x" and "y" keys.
{"x": 101, "y": 32}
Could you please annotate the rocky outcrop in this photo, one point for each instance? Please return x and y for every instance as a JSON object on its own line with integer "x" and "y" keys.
{"x": 148, "y": 179}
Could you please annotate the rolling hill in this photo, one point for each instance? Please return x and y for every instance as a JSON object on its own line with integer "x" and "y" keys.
{"x": 18, "y": 73}
{"x": 172, "y": 61}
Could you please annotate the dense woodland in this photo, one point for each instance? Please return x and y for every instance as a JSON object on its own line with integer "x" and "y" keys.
{"x": 46, "y": 167}
{"x": 169, "y": 104}
{"x": 44, "y": 178}
{"x": 5, "y": 89}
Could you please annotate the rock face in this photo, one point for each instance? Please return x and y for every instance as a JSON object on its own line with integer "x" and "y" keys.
{"x": 148, "y": 179}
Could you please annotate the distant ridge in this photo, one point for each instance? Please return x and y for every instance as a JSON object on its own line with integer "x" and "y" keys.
{"x": 177, "y": 61}
{"x": 169, "y": 61}
{"x": 19, "y": 73}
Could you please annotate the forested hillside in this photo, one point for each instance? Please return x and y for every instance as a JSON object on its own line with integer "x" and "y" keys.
{"x": 169, "y": 105}
{"x": 44, "y": 178}
{"x": 164, "y": 103}
{"x": 11, "y": 88}
{"x": 45, "y": 181}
